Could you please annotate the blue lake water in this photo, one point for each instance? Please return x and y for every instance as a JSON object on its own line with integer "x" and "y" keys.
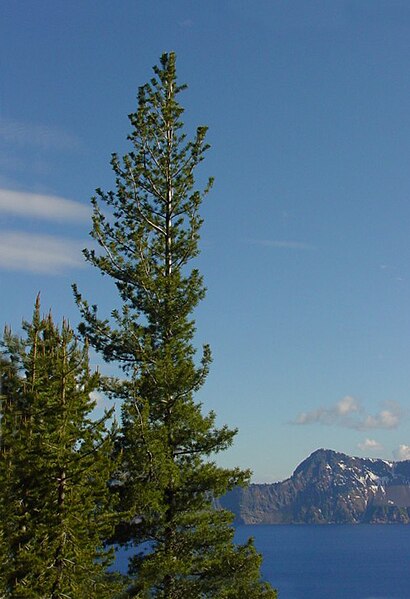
{"x": 332, "y": 561}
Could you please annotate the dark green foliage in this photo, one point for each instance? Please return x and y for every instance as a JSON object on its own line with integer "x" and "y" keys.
{"x": 55, "y": 464}
{"x": 148, "y": 234}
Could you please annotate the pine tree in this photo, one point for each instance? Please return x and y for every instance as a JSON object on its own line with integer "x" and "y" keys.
{"x": 54, "y": 469}
{"x": 148, "y": 233}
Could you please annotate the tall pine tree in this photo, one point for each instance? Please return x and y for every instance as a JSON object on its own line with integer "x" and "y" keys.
{"x": 148, "y": 234}
{"x": 55, "y": 465}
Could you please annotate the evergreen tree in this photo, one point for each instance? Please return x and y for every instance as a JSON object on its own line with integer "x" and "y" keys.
{"x": 148, "y": 234}
{"x": 54, "y": 469}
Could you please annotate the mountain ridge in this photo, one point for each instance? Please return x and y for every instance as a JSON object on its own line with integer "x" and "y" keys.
{"x": 328, "y": 487}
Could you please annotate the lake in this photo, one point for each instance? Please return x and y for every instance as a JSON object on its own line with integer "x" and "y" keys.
{"x": 334, "y": 561}
{"x": 331, "y": 561}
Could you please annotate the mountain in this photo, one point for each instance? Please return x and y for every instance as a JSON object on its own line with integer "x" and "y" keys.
{"x": 328, "y": 488}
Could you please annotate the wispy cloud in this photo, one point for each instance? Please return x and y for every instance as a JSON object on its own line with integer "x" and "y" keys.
{"x": 402, "y": 453}
{"x": 370, "y": 445}
{"x": 390, "y": 417}
{"x": 186, "y": 23}
{"x": 348, "y": 412}
{"x": 13, "y": 162}
{"x": 37, "y": 135}
{"x": 283, "y": 245}
{"x": 340, "y": 412}
{"x": 392, "y": 272}
{"x": 40, "y": 254}
{"x": 42, "y": 206}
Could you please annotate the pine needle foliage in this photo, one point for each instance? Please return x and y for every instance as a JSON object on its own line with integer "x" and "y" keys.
{"x": 55, "y": 464}
{"x": 148, "y": 234}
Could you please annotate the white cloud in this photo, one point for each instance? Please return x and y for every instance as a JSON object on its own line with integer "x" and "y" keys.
{"x": 104, "y": 404}
{"x": 97, "y": 396}
{"x": 335, "y": 414}
{"x": 389, "y": 418}
{"x": 348, "y": 412}
{"x": 42, "y": 206}
{"x": 402, "y": 453}
{"x": 370, "y": 445}
{"x": 42, "y": 254}
{"x": 285, "y": 245}
{"x": 347, "y": 405}
{"x": 39, "y": 136}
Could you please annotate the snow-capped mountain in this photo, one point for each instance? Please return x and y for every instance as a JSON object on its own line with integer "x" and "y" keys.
{"x": 328, "y": 487}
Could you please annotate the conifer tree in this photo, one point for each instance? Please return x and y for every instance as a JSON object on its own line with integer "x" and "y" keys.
{"x": 148, "y": 234}
{"x": 54, "y": 469}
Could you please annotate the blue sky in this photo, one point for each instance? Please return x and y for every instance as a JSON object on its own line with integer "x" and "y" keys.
{"x": 306, "y": 241}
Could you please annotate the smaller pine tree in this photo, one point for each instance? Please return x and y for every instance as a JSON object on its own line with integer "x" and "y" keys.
{"x": 55, "y": 462}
